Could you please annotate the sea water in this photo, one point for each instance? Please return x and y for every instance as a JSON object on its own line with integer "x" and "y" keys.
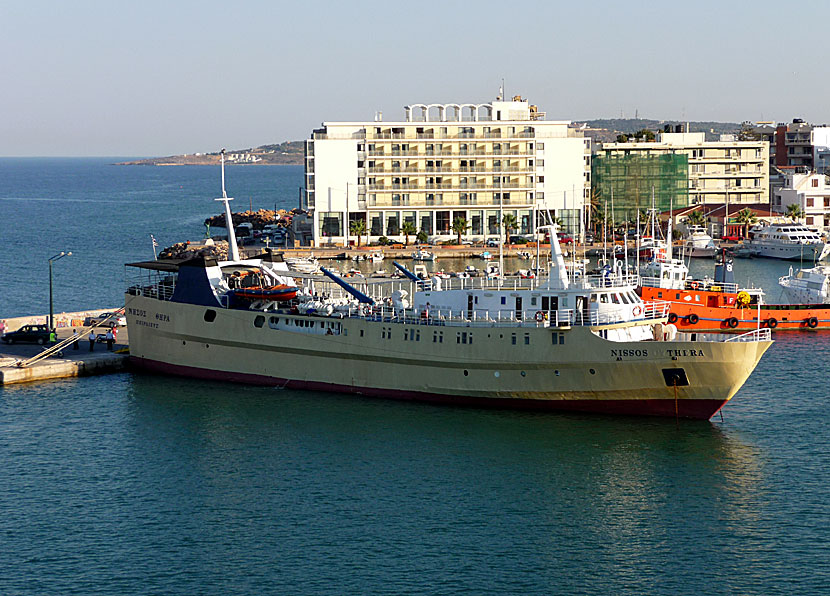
{"x": 141, "y": 484}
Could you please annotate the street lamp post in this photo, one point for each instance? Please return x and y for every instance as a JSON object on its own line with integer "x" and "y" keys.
{"x": 51, "y": 306}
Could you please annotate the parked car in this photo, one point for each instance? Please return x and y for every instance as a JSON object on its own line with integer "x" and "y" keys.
{"x": 564, "y": 238}
{"x": 492, "y": 242}
{"x": 589, "y": 237}
{"x": 28, "y": 334}
{"x": 118, "y": 320}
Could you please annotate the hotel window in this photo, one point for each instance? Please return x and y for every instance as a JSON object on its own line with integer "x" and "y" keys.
{"x": 815, "y": 182}
{"x": 810, "y": 201}
{"x": 809, "y": 221}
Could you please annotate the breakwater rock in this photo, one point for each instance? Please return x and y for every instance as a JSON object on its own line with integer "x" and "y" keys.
{"x": 259, "y": 219}
{"x": 188, "y": 250}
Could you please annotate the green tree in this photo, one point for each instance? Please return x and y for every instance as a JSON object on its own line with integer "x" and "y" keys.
{"x": 460, "y": 226}
{"x": 408, "y": 229}
{"x": 746, "y": 217}
{"x": 644, "y": 134}
{"x": 510, "y": 223}
{"x": 794, "y": 212}
{"x": 422, "y": 237}
{"x": 696, "y": 218}
{"x": 358, "y": 228}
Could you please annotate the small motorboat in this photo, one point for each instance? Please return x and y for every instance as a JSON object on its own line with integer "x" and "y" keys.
{"x": 423, "y": 255}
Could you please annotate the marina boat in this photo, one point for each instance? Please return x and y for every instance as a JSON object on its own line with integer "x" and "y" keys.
{"x": 303, "y": 264}
{"x": 699, "y": 243}
{"x": 567, "y": 342}
{"x": 789, "y": 241}
{"x": 485, "y": 256}
{"x": 376, "y": 257}
{"x": 808, "y": 286}
{"x": 718, "y": 304}
{"x": 423, "y": 255}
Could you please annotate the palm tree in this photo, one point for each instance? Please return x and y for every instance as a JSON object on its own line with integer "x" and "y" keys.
{"x": 459, "y": 226}
{"x": 794, "y": 212}
{"x": 407, "y": 229}
{"x": 509, "y": 222}
{"x": 358, "y": 228}
{"x": 696, "y": 218}
{"x": 746, "y": 217}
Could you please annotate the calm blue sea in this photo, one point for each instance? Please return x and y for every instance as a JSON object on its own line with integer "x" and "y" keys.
{"x": 135, "y": 484}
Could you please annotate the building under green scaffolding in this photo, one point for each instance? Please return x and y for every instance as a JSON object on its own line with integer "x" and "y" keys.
{"x": 632, "y": 178}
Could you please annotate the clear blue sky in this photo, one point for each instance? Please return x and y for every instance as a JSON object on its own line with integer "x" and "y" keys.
{"x": 160, "y": 78}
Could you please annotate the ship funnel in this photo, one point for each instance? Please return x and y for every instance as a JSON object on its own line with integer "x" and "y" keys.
{"x": 723, "y": 270}
{"x": 233, "y": 249}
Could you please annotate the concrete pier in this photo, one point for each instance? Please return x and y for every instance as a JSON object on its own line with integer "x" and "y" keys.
{"x": 71, "y": 362}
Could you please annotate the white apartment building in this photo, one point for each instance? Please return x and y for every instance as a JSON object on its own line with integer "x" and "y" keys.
{"x": 444, "y": 161}
{"x": 720, "y": 171}
{"x": 811, "y": 192}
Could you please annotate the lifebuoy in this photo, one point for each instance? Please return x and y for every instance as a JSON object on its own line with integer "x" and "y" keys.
{"x": 637, "y": 311}
{"x": 540, "y": 316}
{"x": 812, "y": 322}
{"x": 772, "y": 322}
{"x": 672, "y": 318}
{"x": 693, "y": 319}
{"x": 695, "y": 285}
{"x": 731, "y": 322}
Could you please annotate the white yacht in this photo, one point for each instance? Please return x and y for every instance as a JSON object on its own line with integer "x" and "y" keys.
{"x": 808, "y": 286}
{"x": 699, "y": 243}
{"x": 791, "y": 241}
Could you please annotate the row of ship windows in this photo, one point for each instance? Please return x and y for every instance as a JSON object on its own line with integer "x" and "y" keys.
{"x": 461, "y": 337}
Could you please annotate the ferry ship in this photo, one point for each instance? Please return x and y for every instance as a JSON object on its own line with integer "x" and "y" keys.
{"x": 566, "y": 342}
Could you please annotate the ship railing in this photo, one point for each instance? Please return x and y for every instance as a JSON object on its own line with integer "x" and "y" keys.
{"x": 436, "y": 315}
{"x": 753, "y": 336}
{"x": 150, "y": 283}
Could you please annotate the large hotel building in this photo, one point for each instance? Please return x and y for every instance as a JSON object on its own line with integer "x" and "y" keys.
{"x": 445, "y": 161}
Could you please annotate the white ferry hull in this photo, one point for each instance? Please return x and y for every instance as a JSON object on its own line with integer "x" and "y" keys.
{"x": 546, "y": 367}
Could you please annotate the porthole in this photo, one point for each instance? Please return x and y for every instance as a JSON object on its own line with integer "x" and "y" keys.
{"x": 466, "y": 373}
{"x": 259, "y": 321}
{"x": 184, "y": 343}
{"x": 592, "y": 371}
{"x": 524, "y": 374}
{"x": 210, "y": 315}
{"x": 556, "y": 372}
{"x": 497, "y": 374}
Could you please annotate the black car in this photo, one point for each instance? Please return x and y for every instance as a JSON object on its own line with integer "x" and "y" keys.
{"x": 28, "y": 334}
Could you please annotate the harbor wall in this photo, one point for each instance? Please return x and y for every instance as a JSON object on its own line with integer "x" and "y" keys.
{"x": 63, "y": 320}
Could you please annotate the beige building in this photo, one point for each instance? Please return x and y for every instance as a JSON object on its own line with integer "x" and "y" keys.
{"x": 444, "y": 161}
{"x": 719, "y": 171}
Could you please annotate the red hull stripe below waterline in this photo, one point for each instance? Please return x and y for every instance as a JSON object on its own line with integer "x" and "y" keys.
{"x": 699, "y": 409}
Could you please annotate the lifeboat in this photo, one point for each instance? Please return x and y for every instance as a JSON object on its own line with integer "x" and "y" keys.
{"x": 279, "y": 293}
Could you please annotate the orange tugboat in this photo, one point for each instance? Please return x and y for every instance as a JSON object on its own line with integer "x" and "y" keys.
{"x": 719, "y": 305}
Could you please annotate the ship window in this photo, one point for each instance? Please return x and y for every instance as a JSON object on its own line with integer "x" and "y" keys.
{"x": 210, "y": 316}
{"x": 615, "y": 298}
{"x": 527, "y": 339}
{"x": 361, "y": 333}
{"x": 533, "y": 301}
{"x": 259, "y": 321}
{"x": 504, "y": 300}
{"x": 603, "y": 298}
{"x": 561, "y": 338}
{"x": 513, "y": 339}
{"x": 553, "y": 338}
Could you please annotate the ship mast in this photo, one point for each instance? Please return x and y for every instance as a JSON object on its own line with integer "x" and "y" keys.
{"x": 233, "y": 249}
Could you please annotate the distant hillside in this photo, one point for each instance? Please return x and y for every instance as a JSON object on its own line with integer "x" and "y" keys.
{"x": 281, "y": 154}
{"x": 607, "y": 129}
